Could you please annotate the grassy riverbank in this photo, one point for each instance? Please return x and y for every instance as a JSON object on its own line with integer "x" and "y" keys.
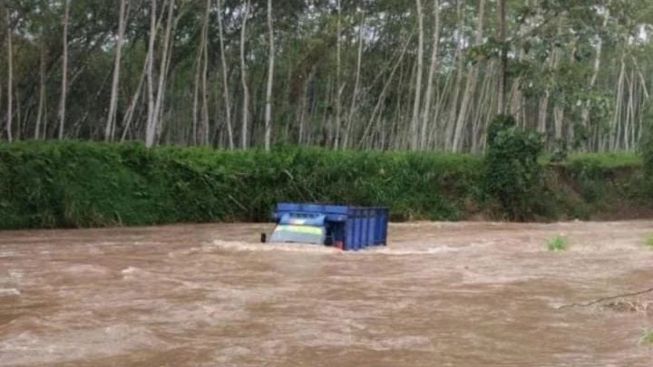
{"x": 82, "y": 184}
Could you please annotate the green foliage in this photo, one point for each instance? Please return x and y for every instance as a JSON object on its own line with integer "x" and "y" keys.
{"x": 649, "y": 242}
{"x": 647, "y": 337}
{"x": 557, "y": 244}
{"x": 646, "y": 147}
{"x": 73, "y": 184}
{"x": 606, "y": 181}
{"x": 513, "y": 174}
{"x": 604, "y": 161}
{"x": 560, "y": 151}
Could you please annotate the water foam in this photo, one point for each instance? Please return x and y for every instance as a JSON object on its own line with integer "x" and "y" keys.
{"x": 9, "y": 292}
{"x": 434, "y": 250}
{"x": 316, "y": 249}
{"x": 268, "y": 247}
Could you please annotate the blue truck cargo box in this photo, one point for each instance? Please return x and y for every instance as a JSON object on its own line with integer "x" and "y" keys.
{"x": 348, "y": 227}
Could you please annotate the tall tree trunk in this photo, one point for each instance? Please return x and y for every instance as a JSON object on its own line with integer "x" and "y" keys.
{"x": 559, "y": 110}
{"x": 19, "y": 116}
{"x": 129, "y": 114}
{"x": 470, "y": 86}
{"x": 146, "y": 73}
{"x": 302, "y": 110}
{"x": 384, "y": 90}
{"x": 10, "y": 78}
{"x": 338, "y": 88}
{"x": 243, "y": 79}
{"x": 630, "y": 113}
{"x": 200, "y": 135}
{"x": 517, "y": 97}
{"x": 479, "y": 140}
{"x": 438, "y": 134}
{"x": 453, "y": 111}
{"x": 150, "y": 75}
{"x": 643, "y": 101}
{"x": 428, "y": 98}
{"x": 503, "y": 77}
{"x": 517, "y": 102}
{"x": 225, "y": 78}
{"x": 165, "y": 65}
{"x": 618, "y": 111}
{"x": 268, "y": 95}
{"x": 205, "y": 74}
{"x": 486, "y": 105}
{"x": 414, "y": 139}
{"x": 543, "y": 107}
{"x": 585, "y": 113}
{"x": 42, "y": 92}
{"x": 153, "y": 129}
{"x": 558, "y": 121}
{"x": 196, "y": 88}
{"x": 64, "y": 67}
{"x": 110, "y": 127}
{"x": 354, "y": 99}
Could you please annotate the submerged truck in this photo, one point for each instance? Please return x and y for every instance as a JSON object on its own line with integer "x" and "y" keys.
{"x": 350, "y": 228}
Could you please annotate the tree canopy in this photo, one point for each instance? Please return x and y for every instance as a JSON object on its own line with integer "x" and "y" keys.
{"x": 382, "y": 74}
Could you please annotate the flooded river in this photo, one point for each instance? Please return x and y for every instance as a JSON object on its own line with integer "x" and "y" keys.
{"x": 441, "y": 294}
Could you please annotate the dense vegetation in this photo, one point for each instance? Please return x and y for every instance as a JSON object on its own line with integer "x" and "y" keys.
{"x": 72, "y": 184}
{"x": 382, "y": 74}
{"x": 351, "y": 97}
{"x": 513, "y": 175}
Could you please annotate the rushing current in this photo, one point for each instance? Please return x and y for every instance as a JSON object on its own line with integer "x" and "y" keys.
{"x": 440, "y": 294}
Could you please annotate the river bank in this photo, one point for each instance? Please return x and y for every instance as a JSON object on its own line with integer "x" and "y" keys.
{"x": 85, "y": 184}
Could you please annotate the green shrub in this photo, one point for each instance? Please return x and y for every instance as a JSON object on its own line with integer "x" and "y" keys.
{"x": 647, "y": 337}
{"x": 557, "y": 244}
{"x": 513, "y": 175}
{"x": 649, "y": 242}
{"x": 646, "y": 146}
{"x": 84, "y": 184}
{"x": 74, "y": 184}
{"x": 646, "y": 151}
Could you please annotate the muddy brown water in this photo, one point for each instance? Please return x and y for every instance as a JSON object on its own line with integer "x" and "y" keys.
{"x": 441, "y": 294}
